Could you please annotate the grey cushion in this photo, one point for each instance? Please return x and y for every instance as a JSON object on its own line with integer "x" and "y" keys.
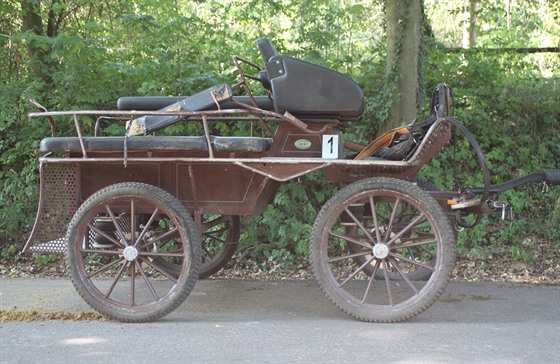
{"x": 150, "y": 143}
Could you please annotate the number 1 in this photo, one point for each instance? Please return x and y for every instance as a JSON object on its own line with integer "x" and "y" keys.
{"x": 330, "y": 147}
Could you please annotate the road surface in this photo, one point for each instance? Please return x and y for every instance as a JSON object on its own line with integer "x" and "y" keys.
{"x": 248, "y": 321}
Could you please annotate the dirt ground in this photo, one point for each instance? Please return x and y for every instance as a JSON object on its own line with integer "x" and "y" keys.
{"x": 544, "y": 269}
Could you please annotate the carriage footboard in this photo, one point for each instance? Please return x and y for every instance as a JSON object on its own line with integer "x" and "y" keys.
{"x": 58, "y": 201}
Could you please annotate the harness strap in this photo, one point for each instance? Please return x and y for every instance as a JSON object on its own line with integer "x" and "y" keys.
{"x": 382, "y": 141}
{"x": 483, "y": 164}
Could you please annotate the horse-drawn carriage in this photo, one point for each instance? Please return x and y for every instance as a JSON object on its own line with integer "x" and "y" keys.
{"x": 142, "y": 216}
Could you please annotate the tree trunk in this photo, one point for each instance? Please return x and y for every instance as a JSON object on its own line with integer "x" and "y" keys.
{"x": 404, "y": 24}
{"x": 469, "y": 32}
{"x": 39, "y": 62}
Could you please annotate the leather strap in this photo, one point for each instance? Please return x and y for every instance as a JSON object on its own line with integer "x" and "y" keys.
{"x": 382, "y": 141}
{"x": 356, "y": 147}
{"x": 483, "y": 164}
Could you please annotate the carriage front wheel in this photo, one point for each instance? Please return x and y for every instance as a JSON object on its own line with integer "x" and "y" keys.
{"x": 113, "y": 240}
{"x": 371, "y": 226}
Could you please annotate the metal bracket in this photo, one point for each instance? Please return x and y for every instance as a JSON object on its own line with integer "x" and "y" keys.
{"x": 507, "y": 210}
{"x": 545, "y": 188}
{"x": 459, "y": 205}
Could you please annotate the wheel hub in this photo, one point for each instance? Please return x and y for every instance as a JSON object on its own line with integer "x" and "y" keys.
{"x": 130, "y": 253}
{"x": 380, "y": 251}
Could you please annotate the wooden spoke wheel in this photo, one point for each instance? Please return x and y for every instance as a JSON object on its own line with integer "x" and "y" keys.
{"x": 414, "y": 272}
{"x": 374, "y": 242}
{"x": 114, "y": 239}
{"x": 220, "y": 237}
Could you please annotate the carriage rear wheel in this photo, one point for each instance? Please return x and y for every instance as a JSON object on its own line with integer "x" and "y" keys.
{"x": 220, "y": 237}
{"x": 113, "y": 240}
{"x": 372, "y": 225}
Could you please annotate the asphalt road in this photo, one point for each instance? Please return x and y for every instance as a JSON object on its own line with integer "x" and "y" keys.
{"x": 229, "y": 321}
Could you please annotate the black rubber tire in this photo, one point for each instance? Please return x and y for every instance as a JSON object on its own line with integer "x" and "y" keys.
{"x": 345, "y": 282}
{"x": 118, "y": 278}
{"x": 220, "y": 237}
{"x": 426, "y": 185}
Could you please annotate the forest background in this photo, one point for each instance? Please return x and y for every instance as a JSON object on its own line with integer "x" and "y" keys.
{"x": 85, "y": 54}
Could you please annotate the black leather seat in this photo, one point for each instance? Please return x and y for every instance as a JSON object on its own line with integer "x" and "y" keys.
{"x": 307, "y": 90}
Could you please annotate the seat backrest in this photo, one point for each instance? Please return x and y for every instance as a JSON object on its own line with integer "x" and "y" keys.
{"x": 267, "y": 49}
{"x": 308, "y": 90}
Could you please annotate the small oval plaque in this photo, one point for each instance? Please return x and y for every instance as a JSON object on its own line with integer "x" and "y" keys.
{"x": 302, "y": 144}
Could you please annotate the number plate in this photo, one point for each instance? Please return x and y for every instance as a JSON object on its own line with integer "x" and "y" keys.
{"x": 330, "y": 147}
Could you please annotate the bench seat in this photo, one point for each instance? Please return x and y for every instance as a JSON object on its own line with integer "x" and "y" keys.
{"x": 157, "y": 143}
{"x": 160, "y": 102}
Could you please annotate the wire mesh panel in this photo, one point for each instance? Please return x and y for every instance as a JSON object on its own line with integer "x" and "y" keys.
{"x": 58, "y": 202}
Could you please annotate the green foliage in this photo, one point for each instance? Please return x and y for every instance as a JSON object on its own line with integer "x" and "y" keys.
{"x": 515, "y": 119}
{"x": 104, "y": 50}
{"x": 42, "y": 260}
{"x": 18, "y": 175}
{"x": 9, "y": 251}
{"x": 285, "y": 226}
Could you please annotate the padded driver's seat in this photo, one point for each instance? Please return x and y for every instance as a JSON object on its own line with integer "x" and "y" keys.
{"x": 307, "y": 90}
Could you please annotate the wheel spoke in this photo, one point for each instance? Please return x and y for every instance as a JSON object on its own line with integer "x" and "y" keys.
{"x": 395, "y": 264}
{"x": 168, "y": 254}
{"x": 350, "y": 239}
{"x": 416, "y": 243}
{"x": 349, "y": 256}
{"x": 417, "y": 255}
{"x": 155, "y": 266}
{"x": 206, "y": 252}
{"x": 360, "y": 225}
{"x": 215, "y": 238}
{"x": 146, "y": 227}
{"x": 392, "y": 219}
{"x": 368, "y": 262}
{"x": 406, "y": 229}
{"x": 412, "y": 261}
{"x": 105, "y": 235}
{"x": 107, "y": 253}
{"x": 133, "y": 283}
{"x": 166, "y": 236}
{"x": 416, "y": 235}
{"x": 148, "y": 282}
{"x": 387, "y": 282}
{"x": 132, "y": 223}
{"x": 104, "y": 268}
{"x": 207, "y": 225}
{"x": 117, "y": 225}
{"x": 117, "y": 278}
{"x": 371, "y": 279}
{"x": 374, "y": 216}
